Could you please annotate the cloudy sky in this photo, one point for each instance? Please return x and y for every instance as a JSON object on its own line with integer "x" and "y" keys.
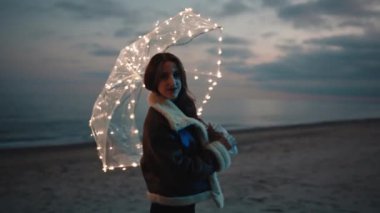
{"x": 273, "y": 48}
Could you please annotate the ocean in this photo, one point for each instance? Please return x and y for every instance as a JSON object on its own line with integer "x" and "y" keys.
{"x": 60, "y": 117}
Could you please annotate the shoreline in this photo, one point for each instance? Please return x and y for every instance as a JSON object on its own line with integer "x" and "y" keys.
{"x": 330, "y": 167}
{"x": 309, "y": 125}
{"x": 91, "y": 143}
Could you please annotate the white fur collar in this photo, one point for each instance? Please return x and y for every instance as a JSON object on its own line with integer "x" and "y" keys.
{"x": 176, "y": 118}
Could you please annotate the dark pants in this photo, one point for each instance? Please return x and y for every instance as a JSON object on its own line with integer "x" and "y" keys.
{"x": 158, "y": 208}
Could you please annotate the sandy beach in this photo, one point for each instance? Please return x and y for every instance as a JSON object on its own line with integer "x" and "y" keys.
{"x": 327, "y": 167}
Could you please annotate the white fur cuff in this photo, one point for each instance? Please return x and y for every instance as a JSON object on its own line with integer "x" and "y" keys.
{"x": 216, "y": 190}
{"x": 221, "y": 153}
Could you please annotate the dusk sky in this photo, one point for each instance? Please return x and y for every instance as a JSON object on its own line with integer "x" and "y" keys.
{"x": 272, "y": 48}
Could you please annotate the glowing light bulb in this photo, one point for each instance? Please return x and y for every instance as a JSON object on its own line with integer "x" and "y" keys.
{"x": 134, "y": 164}
{"x": 146, "y": 39}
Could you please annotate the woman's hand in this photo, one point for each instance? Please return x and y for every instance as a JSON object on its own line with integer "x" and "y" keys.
{"x": 217, "y": 136}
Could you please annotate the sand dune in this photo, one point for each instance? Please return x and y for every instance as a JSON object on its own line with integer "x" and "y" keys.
{"x": 332, "y": 167}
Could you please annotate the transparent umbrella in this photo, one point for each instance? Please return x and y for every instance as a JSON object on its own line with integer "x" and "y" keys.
{"x": 113, "y": 120}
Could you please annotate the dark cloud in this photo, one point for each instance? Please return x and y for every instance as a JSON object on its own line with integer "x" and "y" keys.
{"x": 125, "y": 32}
{"x": 96, "y": 49}
{"x": 231, "y": 40}
{"x": 348, "y": 57}
{"x": 96, "y": 74}
{"x": 313, "y": 14}
{"x": 239, "y": 67}
{"x": 337, "y": 88}
{"x": 365, "y": 43}
{"x": 97, "y": 9}
{"x": 129, "y": 32}
{"x": 236, "y": 53}
{"x": 10, "y": 8}
{"x": 105, "y": 52}
{"x": 275, "y": 3}
{"x": 269, "y": 34}
{"x": 235, "y": 7}
{"x": 339, "y": 65}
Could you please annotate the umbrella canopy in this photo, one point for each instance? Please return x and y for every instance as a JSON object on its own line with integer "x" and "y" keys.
{"x": 113, "y": 120}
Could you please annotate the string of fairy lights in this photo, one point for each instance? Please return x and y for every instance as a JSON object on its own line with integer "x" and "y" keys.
{"x": 131, "y": 83}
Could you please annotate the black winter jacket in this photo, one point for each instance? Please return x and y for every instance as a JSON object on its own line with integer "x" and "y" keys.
{"x": 176, "y": 172}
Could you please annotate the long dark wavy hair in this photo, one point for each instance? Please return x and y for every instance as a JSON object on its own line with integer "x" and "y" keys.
{"x": 185, "y": 100}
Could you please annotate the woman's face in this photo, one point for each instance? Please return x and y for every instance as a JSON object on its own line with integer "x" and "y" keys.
{"x": 170, "y": 83}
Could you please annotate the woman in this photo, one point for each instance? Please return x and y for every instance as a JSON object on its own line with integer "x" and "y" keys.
{"x": 180, "y": 153}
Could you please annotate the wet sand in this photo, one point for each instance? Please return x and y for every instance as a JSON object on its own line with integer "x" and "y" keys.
{"x": 327, "y": 167}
